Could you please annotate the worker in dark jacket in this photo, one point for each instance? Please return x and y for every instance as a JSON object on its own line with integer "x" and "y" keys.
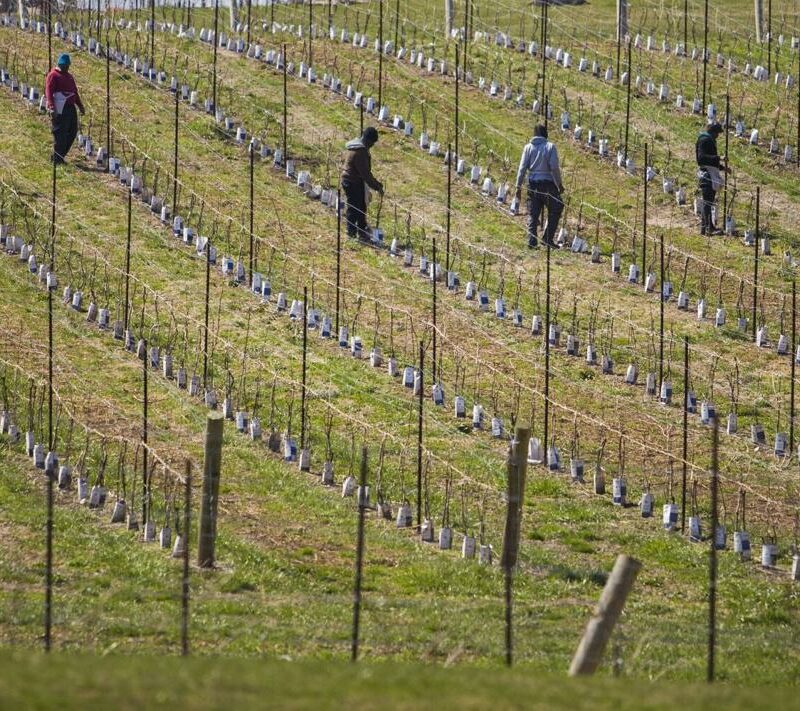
{"x": 356, "y": 177}
{"x": 709, "y": 165}
{"x": 61, "y": 94}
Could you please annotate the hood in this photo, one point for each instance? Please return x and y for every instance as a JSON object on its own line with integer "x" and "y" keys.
{"x": 538, "y": 141}
{"x": 355, "y": 145}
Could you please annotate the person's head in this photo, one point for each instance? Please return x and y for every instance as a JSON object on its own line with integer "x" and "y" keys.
{"x": 370, "y": 136}
{"x": 714, "y": 128}
{"x": 64, "y": 62}
{"x": 540, "y": 130}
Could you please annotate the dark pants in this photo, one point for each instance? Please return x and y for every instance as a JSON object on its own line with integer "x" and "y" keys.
{"x": 709, "y": 197}
{"x": 541, "y": 194}
{"x": 356, "y": 214}
{"x": 65, "y": 128}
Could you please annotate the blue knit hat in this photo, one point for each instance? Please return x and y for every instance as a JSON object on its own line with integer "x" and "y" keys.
{"x": 63, "y": 60}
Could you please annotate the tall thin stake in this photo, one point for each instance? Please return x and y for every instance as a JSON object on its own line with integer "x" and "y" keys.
{"x": 449, "y": 207}
{"x": 285, "y": 102}
{"x": 152, "y": 34}
{"x": 205, "y": 314}
{"x": 362, "y": 505}
{"x": 249, "y": 13}
{"x": 185, "y": 589}
{"x": 685, "y": 430}
{"x": 175, "y": 156}
{"x": 380, "y": 54}
{"x": 252, "y": 207}
{"x": 455, "y": 128}
{"x": 433, "y": 312}
{"x": 546, "y": 349}
{"x": 216, "y": 44}
{"x": 396, "y": 24}
{"x": 705, "y": 51}
{"x": 310, "y": 35}
{"x": 769, "y": 36}
{"x": 793, "y": 356}
{"x": 108, "y": 100}
{"x": 338, "y": 255}
{"x": 127, "y": 263}
{"x": 712, "y": 567}
{"x": 48, "y": 575}
{"x": 146, "y": 497}
{"x": 755, "y": 263}
{"x": 628, "y": 100}
{"x": 685, "y": 25}
{"x": 305, "y": 352}
{"x": 419, "y": 434}
{"x": 644, "y": 214}
{"x": 49, "y": 35}
{"x": 797, "y": 117}
{"x": 661, "y": 313}
{"x": 545, "y": 4}
{"x": 725, "y": 184}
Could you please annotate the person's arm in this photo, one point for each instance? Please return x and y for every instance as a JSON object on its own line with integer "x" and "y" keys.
{"x": 48, "y": 91}
{"x": 523, "y": 166}
{"x": 555, "y": 168}
{"x": 78, "y": 101}
{"x": 363, "y": 166}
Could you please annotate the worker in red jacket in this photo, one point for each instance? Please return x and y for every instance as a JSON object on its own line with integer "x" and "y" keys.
{"x": 62, "y": 97}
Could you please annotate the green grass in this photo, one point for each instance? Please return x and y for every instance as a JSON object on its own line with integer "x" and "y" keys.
{"x": 35, "y": 681}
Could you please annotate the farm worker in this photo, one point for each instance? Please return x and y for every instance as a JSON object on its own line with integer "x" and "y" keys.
{"x": 61, "y": 94}
{"x": 540, "y": 161}
{"x": 708, "y": 175}
{"x": 356, "y": 177}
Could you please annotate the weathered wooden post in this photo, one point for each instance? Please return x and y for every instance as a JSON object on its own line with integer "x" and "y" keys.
{"x": 598, "y": 631}
{"x": 211, "y": 471}
{"x": 517, "y": 467}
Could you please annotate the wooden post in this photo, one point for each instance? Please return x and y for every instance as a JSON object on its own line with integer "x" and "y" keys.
{"x": 211, "y": 471}
{"x": 362, "y": 505}
{"x": 622, "y": 19}
{"x": 598, "y": 631}
{"x": 517, "y": 466}
{"x": 759, "y": 17}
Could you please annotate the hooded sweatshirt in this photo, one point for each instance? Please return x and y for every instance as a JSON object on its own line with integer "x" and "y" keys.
{"x": 540, "y": 159}
{"x": 706, "y": 150}
{"x": 358, "y": 164}
{"x": 61, "y": 85}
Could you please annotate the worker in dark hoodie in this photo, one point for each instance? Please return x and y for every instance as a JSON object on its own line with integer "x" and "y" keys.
{"x": 709, "y": 165}
{"x": 61, "y": 94}
{"x": 356, "y": 177}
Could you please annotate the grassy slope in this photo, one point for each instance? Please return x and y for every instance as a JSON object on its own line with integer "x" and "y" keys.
{"x": 280, "y": 567}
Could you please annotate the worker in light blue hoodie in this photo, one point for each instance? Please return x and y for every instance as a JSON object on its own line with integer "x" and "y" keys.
{"x": 540, "y": 162}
